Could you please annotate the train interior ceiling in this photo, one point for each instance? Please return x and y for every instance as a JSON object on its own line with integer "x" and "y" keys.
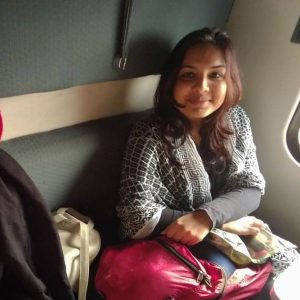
{"x": 58, "y": 68}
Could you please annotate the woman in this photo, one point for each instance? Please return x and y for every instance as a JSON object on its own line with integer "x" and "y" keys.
{"x": 192, "y": 165}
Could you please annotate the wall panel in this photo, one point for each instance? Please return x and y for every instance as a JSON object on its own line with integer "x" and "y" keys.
{"x": 55, "y": 44}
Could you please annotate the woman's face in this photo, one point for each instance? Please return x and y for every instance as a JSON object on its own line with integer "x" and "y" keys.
{"x": 200, "y": 86}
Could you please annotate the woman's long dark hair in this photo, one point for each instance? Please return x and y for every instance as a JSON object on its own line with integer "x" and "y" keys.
{"x": 214, "y": 131}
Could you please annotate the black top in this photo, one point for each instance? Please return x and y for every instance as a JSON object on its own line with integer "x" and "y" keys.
{"x": 31, "y": 260}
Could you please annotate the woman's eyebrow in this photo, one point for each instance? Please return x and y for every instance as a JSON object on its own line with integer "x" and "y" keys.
{"x": 212, "y": 67}
{"x": 187, "y": 66}
{"x": 218, "y": 66}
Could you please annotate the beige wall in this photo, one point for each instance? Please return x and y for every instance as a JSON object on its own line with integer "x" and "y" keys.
{"x": 39, "y": 112}
{"x": 270, "y": 66}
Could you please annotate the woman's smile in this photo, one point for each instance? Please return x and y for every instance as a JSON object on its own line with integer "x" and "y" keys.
{"x": 202, "y": 102}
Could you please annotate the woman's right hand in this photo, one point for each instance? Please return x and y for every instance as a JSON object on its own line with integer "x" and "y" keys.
{"x": 248, "y": 225}
{"x": 189, "y": 229}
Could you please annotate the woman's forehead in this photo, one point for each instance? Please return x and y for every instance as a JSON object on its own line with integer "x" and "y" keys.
{"x": 206, "y": 54}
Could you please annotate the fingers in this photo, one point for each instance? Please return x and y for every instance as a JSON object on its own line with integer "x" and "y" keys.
{"x": 248, "y": 231}
{"x": 170, "y": 233}
{"x": 257, "y": 223}
{"x": 189, "y": 229}
{"x": 192, "y": 242}
{"x": 181, "y": 236}
{"x": 248, "y": 225}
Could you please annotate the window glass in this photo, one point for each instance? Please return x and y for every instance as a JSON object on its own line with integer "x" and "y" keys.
{"x": 293, "y": 134}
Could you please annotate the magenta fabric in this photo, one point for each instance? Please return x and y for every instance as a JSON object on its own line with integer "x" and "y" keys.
{"x": 247, "y": 282}
{"x": 145, "y": 270}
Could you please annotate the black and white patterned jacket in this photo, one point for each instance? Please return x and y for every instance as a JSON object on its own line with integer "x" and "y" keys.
{"x": 150, "y": 183}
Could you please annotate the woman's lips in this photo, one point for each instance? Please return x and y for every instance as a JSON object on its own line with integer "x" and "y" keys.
{"x": 202, "y": 102}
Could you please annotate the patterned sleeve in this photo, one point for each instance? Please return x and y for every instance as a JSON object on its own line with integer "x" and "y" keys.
{"x": 244, "y": 170}
{"x": 139, "y": 208}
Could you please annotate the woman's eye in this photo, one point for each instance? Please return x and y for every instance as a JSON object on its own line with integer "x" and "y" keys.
{"x": 187, "y": 75}
{"x": 217, "y": 75}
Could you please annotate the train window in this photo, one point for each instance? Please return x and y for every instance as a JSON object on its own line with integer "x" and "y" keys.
{"x": 293, "y": 134}
{"x": 296, "y": 35}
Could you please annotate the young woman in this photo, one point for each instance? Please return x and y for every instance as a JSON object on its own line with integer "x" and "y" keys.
{"x": 192, "y": 165}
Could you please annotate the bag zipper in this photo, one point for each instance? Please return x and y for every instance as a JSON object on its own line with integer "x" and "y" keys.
{"x": 201, "y": 273}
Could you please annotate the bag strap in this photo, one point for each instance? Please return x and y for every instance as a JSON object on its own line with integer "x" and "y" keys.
{"x": 121, "y": 58}
{"x": 84, "y": 261}
{"x": 201, "y": 272}
{"x": 85, "y": 224}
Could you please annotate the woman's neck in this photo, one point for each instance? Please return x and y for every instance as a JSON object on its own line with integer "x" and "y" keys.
{"x": 195, "y": 131}
{"x": 195, "y": 134}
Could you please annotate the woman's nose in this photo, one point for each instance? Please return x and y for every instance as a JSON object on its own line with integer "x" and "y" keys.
{"x": 202, "y": 85}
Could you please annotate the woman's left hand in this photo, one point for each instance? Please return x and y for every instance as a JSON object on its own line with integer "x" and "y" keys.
{"x": 248, "y": 225}
{"x": 189, "y": 229}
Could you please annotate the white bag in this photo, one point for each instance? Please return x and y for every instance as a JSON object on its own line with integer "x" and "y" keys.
{"x": 80, "y": 244}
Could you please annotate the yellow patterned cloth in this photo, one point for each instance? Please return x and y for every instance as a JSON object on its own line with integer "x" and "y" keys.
{"x": 244, "y": 250}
